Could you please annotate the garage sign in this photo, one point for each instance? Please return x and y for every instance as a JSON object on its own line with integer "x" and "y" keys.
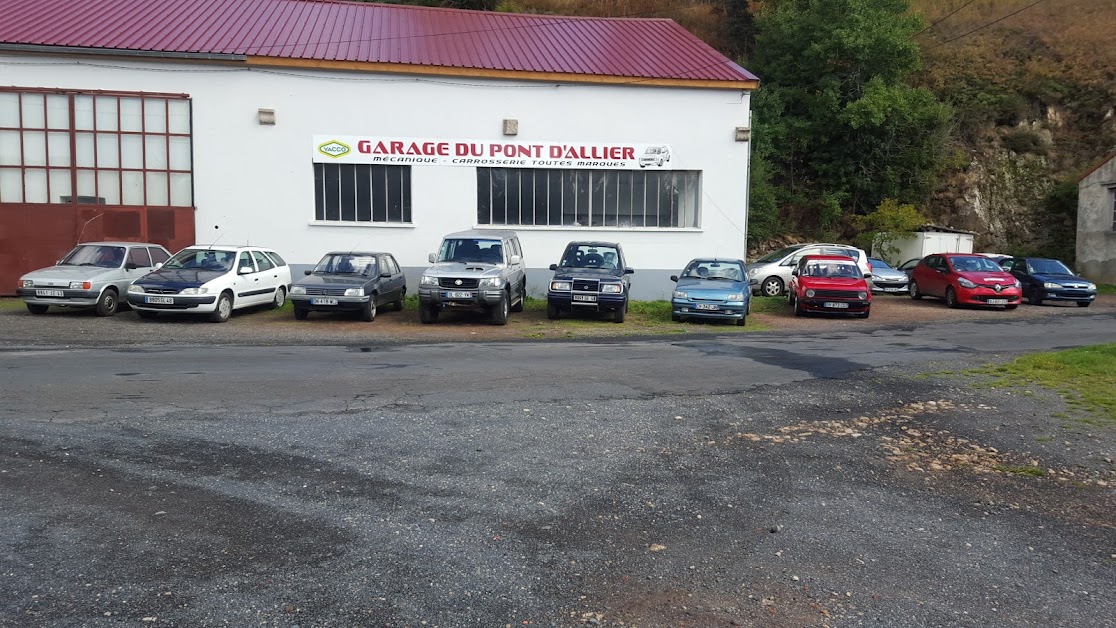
{"x": 471, "y": 153}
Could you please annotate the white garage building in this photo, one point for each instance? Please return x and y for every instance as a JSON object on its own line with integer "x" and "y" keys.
{"x": 309, "y": 126}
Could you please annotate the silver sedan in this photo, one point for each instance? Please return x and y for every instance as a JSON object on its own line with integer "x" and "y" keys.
{"x": 93, "y": 274}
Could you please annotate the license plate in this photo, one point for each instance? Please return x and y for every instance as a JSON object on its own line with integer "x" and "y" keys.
{"x": 707, "y": 306}
{"x": 589, "y": 298}
{"x": 997, "y": 301}
{"x": 323, "y": 301}
{"x": 459, "y": 295}
{"x": 159, "y": 300}
{"x": 892, "y": 289}
{"x": 48, "y": 293}
{"x": 836, "y": 305}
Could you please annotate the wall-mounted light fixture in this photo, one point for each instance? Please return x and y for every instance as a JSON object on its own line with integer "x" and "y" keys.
{"x": 511, "y": 126}
{"x": 743, "y": 134}
{"x": 267, "y": 117}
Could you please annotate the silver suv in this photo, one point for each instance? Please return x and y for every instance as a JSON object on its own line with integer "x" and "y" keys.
{"x": 769, "y": 275}
{"x": 477, "y": 270}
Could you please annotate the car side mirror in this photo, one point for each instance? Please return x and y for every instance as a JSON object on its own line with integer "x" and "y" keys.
{"x": 867, "y": 275}
{"x": 515, "y": 259}
{"x": 431, "y": 258}
{"x": 628, "y": 271}
{"x": 244, "y": 270}
{"x": 131, "y": 266}
{"x": 158, "y": 265}
{"x": 794, "y": 273}
{"x": 386, "y": 274}
{"x": 307, "y": 272}
{"x": 674, "y": 278}
{"x": 554, "y": 267}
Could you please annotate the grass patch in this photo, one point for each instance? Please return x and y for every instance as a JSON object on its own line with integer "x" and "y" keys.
{"x": 1106, "y": 288}
{"x": 1044, "y": 439}
{"x": 1085, "y": 377}
{"x": 11, "y": 304}
{"x": 1035, "y": 472}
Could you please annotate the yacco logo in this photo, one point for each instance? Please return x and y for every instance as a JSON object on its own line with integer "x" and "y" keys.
{"x": 333, "y": 148}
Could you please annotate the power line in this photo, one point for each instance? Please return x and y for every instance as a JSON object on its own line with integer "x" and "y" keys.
{"x": 951, "y": 14}
{"x": 979, "y": 28}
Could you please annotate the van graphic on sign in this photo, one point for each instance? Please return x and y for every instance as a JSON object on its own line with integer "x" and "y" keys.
{"x": 654, "y": 156}
{"x": 333, "y": 148}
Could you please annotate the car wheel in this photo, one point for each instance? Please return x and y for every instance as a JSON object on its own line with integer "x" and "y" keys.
{"x": 107, "y": 303}
{"x": 280, "y": 298}
{"x": 146, "y": 314}
{"x": 913, "y": 289}
{"x": 866, "y": 313}
{"x": 951, "y": 297}
{"x": 368, "y": 311}
{"x": 618, "y": 313}
{"x": 35, "y": 308}
{"x": 1034, "y": 298}
{"x": 428, "y": 314}
{"x": 798, "y": 309}
{"x": 1083, "y": 303}
{"x": 772, "y": 287}
{"x": 301, "y": 313}
{"x": 742, "y": 321}
{"x": 399, "y": 302}
{"x": 553, "y": 312}
{"x": 224, "y": 309}
{"x": 498, "y": 315}
{"x": 676, "y": 318}
{"x": 518, "y": 307}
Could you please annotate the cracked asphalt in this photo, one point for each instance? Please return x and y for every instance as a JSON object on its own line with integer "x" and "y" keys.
{"x": 841, "y": 477}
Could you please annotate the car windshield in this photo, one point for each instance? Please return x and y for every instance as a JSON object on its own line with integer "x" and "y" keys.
{"x": 723, "y": 271}
{"x": 346, "y": 264}
{"x": 778, "y": 255}
{"x": 878, "y": 263}
{"x": 590, "y": 256}
{"x": 1047, "y": 267}
{"x": 95, "y": 255}
{"x": 201, "y": 259}
{"x": 831, "y": 268}
{"x": 477, "y": 250}
{"x": 975, "y": 264}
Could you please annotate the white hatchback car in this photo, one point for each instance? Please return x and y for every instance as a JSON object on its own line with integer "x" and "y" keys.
{"x": 213, "y": 280}
{"x": 770, "y": 275}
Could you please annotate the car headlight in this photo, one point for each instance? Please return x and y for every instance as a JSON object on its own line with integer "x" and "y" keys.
{"x": 810, "y": 293}
{"x": 354, "y": 292}
{"x": 298, "y": 290}
{"x": 735, "y": 296}
{"x": 134, "y": 289}
{"x": 965, "y": 283}
{"x": 862, "y": 295}
{"x": 490, "y": 282}
{"x": 190, "y": 291}
{"x": 1051, "y": 286}
{"x": 26, "y": 283}
{"x": 80, "y": 285}
{"x": 611, "y": 288}
{"x": 1018, "y": 284}
{"x": 681, "y": 294}
{"x": 1091, "y": 286}
{"x": 752, "y": 272}
{"x": 560, "y": 285}
{"x": 428, "y": 280}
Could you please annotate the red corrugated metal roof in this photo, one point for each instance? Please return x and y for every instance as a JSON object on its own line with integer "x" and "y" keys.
{"x": 325, "y": 30}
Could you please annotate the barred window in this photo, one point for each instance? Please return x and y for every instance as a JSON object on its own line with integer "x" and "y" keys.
{"x": 104, "y": 148}
{"x": 588, "y": 198}
{"x": 362, "y": 193}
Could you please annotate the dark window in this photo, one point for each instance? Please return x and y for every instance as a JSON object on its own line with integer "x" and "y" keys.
{"x": 279, "y": 261}
{"x": 139, "y": 256}
{"x": 362, "y": 193}
{"x": 158, "y": 256}
{"x": 262, "y": 261}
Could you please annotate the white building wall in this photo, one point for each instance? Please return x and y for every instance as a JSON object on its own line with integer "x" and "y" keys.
{"x": 255, "y": 183}
{"x": 1096, "y": 224}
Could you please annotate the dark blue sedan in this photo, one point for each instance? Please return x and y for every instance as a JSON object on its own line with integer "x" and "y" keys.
{"x": 1050, "y": 280}
{"x": 711, "y": 288}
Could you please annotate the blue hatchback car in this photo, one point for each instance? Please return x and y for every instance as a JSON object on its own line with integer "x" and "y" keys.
{"x": 1050, "y": 280}
{"x": 712, "y": 288}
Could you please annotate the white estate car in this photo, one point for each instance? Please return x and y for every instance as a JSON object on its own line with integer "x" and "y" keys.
{"x": 213, "y": 280}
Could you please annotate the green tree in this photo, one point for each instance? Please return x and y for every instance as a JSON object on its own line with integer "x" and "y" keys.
{"x": 889, "y": 222}
{"x": 847, "y": 129}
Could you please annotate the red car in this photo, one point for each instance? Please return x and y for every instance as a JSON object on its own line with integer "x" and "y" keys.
{"x": 965, "y": 279}
{"x": 829, "y": 283}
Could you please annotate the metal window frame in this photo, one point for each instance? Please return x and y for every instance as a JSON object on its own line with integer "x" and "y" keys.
{"x": 379, "y": 195}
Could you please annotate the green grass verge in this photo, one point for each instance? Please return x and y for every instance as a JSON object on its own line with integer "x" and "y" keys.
{"x": 11, "y": 304}
{"x": 1106, "y": 288}
{"x": 1085, "y": 377}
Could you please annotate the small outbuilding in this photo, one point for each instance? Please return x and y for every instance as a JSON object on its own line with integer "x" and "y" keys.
{"x": 923, "y": 241}
{"x": 1096, "y": 222}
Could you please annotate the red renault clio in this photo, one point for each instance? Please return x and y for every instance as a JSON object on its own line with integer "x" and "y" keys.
{"x": 829, "y": 283}
{"x": 965, "y": 279}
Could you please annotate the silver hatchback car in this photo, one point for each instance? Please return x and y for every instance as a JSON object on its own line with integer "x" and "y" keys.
{"x": 93, "y": 274}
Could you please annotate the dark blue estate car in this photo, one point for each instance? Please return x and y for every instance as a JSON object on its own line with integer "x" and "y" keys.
{"x": 592, "y": 277}
{"x": 1050, "y": 280}
{"x": 711, "y": 288}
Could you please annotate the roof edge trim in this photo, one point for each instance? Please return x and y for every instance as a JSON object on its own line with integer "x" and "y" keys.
{"x": 117, "y": 52}
{"x": 462, "y": 72}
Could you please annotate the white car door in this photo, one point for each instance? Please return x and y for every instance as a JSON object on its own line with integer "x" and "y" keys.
{"x": 247, "y": 282}
{"x": 269, "y": 276}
